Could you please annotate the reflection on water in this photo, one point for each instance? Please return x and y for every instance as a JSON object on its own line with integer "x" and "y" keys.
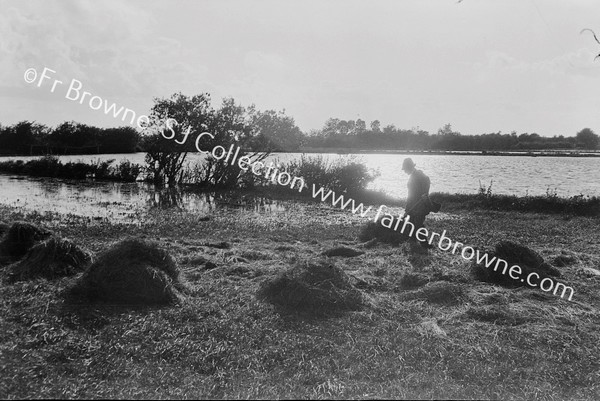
{"x": 116, "y": 201}
{"x": 205, "y": 202}
{"x": 516, "y": 175}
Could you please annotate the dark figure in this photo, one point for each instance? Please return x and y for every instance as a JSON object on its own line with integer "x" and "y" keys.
{"x": 417, "y": 202}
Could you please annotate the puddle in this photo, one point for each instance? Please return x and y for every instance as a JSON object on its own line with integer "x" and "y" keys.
{"x": 117, "y": 201}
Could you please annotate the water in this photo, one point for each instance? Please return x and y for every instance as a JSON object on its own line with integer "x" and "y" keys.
{"x": 518, "y": 175}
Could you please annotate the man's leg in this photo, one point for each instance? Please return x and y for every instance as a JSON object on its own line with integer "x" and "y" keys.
{"x": 418, "y": 220}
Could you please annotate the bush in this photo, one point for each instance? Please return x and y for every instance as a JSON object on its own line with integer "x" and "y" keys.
{"x": 131, "y": 272}
{"x": 212, "y": 173}
{"x": 51, "y": 166}
{"x": 127, "y": 171}
{"x": 343, "y": 175}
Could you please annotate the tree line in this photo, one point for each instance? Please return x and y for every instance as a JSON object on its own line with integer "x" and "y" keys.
{"x": 264, "y": 131}
{"x": 352, "y": 134}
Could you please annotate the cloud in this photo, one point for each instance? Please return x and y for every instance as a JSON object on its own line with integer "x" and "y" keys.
{"x": 112, "y": 47}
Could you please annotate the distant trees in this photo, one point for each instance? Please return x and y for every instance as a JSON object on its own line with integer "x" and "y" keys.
{"x": 274, "y": 131}
{"x": 587, "y": 138}
{"x": 335, "y": 134}
{"x": 30, "y": 138}
{"x": 257, "y": 131}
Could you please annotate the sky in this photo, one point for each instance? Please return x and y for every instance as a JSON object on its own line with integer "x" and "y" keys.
{"x": 480, "y": 65}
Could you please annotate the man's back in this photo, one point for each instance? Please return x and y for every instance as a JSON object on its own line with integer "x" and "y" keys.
{"x": 418, "y": 185}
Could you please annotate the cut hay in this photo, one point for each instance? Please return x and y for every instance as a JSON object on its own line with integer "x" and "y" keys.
{"x": 438, "y": 292}
{"x": 19, "y": 238}
{"x": 375, "y": 230}
{"x": 496, "y": 314}
{"x": 313, "y": 285}
{"x": 514, "y": 254}
{"x": 342, "y": 251}
{"x": 413, "y": 280}
{"x": 132, "y": 271}
{"x": 564, "y": 260}
{"x": 49, "y": 259}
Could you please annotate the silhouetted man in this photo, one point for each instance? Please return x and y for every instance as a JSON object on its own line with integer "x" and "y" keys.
{"x": 417, "y": 202}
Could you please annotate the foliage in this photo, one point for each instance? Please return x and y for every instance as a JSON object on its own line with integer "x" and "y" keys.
{"x": 27, "y": 138}
{"x": 588, "y": 138}
{"x": 580, "y": 205}
{"x": 341, "y": 175}
{"x": 212, "y": 173}
{"x": 51, "y": 166}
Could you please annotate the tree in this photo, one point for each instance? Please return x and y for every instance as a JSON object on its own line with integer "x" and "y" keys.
{"x": 587, "y": 138}
{"x": 375, "y": 126}
{"x": 274, "y": 131}
{"x": 174, "y": 126}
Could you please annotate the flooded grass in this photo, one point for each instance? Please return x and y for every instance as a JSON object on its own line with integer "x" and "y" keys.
{"x": 411, "y": 341}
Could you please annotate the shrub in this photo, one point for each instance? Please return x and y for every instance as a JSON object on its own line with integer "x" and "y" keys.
{"x": 127, "y": 171}
{"x": 212, "y": 173}
{"x": 342, "y": 175}
{"x": 102, "y": 169}
{"x": 46, "y": 166}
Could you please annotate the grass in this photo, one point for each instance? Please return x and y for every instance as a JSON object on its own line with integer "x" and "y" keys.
{"x": 429, "y": 331}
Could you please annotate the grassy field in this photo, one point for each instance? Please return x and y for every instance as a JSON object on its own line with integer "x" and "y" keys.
{"x": 489, "y": 342}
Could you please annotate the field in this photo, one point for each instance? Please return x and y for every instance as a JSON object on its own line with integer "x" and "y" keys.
{"x": 222, "y": 342}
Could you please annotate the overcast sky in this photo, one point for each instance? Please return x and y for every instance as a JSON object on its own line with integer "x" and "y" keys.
{"x": 481, "y": 65}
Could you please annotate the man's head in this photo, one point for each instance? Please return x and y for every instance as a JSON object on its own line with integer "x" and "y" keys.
{"x": 408, "y": 166}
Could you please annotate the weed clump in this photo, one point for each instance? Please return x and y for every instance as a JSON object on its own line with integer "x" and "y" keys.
{"x": 19, "y": 238}
{"x": 375, "y": 230}
{"x": 132, "y": 271}
{"x": 313, "y": 285}
{"x": 50, "y": 259}
{"x": 514, "y": 254}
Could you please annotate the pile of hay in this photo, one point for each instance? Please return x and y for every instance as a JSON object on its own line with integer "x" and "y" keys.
{"x": 19, "y": 238}
{"x": 132, "y": 271}
{"x": 313, "y": 285}
{"x": 437, "y": 292}
{"x": 50, "y": 259}
{"x": 514, "y": 254}
{"x": 375, "y": 230}
{"x": 411, "y": 280}
{"x": 342, "y": 251}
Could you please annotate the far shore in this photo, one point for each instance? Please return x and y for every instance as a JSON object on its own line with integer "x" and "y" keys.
{"x": 532, "y": 153}
{"x": 344, "y": 151}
